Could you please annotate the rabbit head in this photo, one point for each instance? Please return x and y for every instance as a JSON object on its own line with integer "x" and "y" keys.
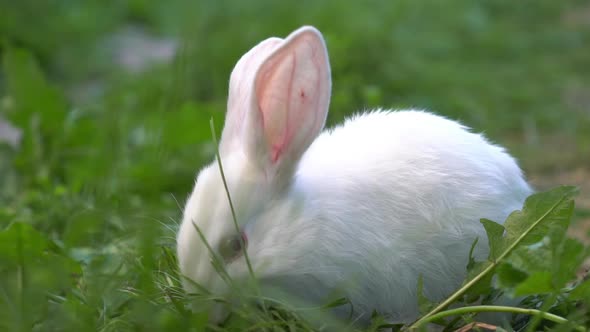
{"x": 279, "y": 94}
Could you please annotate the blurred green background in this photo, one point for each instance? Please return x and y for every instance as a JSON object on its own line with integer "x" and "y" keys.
{"x": 113, "y": 100}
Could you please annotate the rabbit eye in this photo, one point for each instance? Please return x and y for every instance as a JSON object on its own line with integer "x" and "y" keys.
{"x": 231, "y": 247}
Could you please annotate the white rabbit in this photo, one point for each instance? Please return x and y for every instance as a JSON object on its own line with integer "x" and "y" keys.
{"x": 363, "y": 209}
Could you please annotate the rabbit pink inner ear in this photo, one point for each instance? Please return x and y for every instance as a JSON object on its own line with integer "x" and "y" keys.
{"x": 293, "y": 91}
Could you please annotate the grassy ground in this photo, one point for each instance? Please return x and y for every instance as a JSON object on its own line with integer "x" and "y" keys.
{"x": 111, "y": 141}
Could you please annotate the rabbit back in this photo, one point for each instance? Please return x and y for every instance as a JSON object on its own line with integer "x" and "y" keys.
{"x": 394, "y": 195}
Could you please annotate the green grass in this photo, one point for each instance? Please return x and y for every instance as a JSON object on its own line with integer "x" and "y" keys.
{"x": 92, "y": 197}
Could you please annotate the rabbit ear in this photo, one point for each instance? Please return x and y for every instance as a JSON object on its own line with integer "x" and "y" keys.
{"x": 279, "y": 113}
{"x": 240, "y": 94}
{"x": 292, "y": 91}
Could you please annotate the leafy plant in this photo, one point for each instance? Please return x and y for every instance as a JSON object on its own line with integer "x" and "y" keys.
{"x": 530, "y": 255}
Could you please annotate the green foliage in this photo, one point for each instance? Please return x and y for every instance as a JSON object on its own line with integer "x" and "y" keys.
{"x": 89, "y": 200}
{"x": 34, "y": 271}
{"x": 38, "y": 108}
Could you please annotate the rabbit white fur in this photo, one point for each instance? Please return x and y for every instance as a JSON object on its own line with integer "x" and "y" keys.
{"x": 364, "y": 208}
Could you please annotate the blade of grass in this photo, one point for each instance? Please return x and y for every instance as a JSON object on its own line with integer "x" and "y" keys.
{"x": 231, "y": 205}
{"x": 215, "y": 260}
{"x": 233, "y": 213}
{"x": 496, "y": 308}
{"x": 21, "y": 277}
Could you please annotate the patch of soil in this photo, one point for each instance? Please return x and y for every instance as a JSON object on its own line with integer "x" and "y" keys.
{"x": 580, "y": 177}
